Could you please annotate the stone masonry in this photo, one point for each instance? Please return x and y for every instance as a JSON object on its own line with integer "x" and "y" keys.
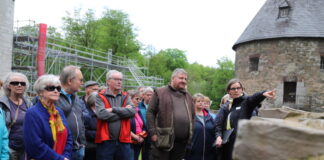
{"x": 284, "y": 60}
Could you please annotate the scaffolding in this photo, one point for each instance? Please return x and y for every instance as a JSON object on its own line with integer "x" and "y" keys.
{"x": 60, "y": 53}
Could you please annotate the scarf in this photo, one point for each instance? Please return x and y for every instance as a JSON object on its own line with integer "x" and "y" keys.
{"x": 58, "y": 129}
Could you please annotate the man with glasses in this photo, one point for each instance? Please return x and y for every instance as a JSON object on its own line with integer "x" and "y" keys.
{"x": 71, "y": 80}
{"x": 114, "y": 111}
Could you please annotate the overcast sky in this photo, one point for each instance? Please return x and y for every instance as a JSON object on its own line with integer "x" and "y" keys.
{"x": 205, "y": 29}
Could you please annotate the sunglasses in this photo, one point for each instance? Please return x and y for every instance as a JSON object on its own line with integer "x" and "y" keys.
{"x": 16, "y": 83}
{"x": 238, "y": 88}
{"x": 138, "y": 99}
{"x": 52, "y": 88}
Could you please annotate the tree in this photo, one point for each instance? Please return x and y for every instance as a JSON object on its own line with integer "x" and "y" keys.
{"x": 210, "y": 81}
{"x": 81, "y": 29}
{"x": 116, "y": 32}
{"x": 166, "y": 61}
{"x": 224, "y": 72}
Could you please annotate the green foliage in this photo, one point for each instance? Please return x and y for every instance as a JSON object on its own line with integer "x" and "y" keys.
{"x": 112, "y": 32}
{"x": 30, "y": 30}
{"x": 81, "y": 29}
{"x": 223, "y": 73}
{"x": 166, "y": 61}
{"x": 52, "y": 32}
{"x": 116, "y": 32}
{"x": 210, "y": 81}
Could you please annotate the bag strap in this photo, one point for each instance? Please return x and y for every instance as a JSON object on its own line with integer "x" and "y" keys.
{"x": 15, "y": 118}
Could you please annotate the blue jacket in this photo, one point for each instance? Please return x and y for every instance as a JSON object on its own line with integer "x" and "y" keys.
{"x": 4, "y": 141}
{"x": 38, "y": 135}
{"x": 143, "y": 110}
{"x": 202, "y": 140}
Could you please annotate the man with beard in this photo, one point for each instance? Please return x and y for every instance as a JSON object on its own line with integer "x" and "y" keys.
{"x": 170, "y": 118}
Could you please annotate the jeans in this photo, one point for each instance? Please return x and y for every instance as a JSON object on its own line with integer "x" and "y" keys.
{"x": 114, "y": 150}
{"x": 78, "y": 154}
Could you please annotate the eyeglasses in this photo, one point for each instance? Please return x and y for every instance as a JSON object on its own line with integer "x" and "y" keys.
{"x": 52, "y": 88}
{"x": 16, "y": 83}
{"x": 138, "y": 99}
{"x": 238, "y": 88}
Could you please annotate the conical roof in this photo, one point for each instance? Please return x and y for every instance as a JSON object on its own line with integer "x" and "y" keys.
{"x": 286, "y": 18}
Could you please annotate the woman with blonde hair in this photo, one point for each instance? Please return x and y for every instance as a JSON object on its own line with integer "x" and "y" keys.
{"x": 204, "y": 133}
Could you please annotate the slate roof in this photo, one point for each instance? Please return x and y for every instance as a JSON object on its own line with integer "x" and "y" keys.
{"x": 305, "y": 19}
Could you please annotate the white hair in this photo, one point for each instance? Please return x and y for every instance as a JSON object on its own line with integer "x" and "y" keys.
{"x": 7, "y": 81}
{"x": 147, "y": 89}
{"x": 111, "y": 72}
{"x": 45, "y": 80}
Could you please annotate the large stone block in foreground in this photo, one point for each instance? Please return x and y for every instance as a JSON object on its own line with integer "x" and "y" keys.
{"x": 298, "y": 135}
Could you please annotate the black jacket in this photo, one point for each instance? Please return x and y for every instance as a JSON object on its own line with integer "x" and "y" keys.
{"x": 242, "y": 108}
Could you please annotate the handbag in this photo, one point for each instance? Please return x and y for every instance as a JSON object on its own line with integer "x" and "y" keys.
{"x": 165, "y": 137}
{"x": 226, "y": 135}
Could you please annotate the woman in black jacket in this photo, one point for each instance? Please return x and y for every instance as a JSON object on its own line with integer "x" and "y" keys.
{"x": 238, "y": 107}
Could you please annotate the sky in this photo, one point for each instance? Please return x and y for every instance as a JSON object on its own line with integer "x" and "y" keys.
{"x": 205, "y": 29}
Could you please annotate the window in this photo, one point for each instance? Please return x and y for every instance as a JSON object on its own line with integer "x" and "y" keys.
{"x": 284, "y": 12}
{"x": 254, "y": 63}
{"x": 322, "y": 63}
{"x": 290, "y": 92}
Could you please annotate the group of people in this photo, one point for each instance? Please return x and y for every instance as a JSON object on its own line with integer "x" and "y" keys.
{"x": 108, "y": 123}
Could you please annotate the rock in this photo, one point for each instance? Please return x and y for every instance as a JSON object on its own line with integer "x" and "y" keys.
{"x": 273, "y": 139}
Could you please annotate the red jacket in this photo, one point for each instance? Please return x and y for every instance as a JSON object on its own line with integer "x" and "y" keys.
{"x": 102, "y": 133}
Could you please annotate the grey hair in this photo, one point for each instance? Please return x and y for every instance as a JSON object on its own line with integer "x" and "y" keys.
{"x": 7, "y": 81}
{"x": 148, "y": 89}
{"x": 92, "y": 99}
{"x": 68, "y": 73}
{"x": 178, "y": 71}
{"x": 111, "y": 72}
{"x": 45, "y": 80}
{"x": 133, "y": 93}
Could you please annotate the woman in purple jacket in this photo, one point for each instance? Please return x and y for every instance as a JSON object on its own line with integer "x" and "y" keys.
{"x": 46, "y": 133}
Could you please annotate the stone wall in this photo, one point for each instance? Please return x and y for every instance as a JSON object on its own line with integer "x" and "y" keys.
{"x": 6, "y": 35}
{"x": 284, "y": 60}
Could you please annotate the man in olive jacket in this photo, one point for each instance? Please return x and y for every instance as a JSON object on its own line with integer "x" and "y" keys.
{"x": 170, "y": 118}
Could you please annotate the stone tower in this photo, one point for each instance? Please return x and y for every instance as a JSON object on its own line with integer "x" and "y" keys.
{"x": 283, "y": 48}
{"x": 6, "y": 35}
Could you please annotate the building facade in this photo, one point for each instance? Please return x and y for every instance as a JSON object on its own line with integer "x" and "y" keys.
{"x": 283, "y": 49}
